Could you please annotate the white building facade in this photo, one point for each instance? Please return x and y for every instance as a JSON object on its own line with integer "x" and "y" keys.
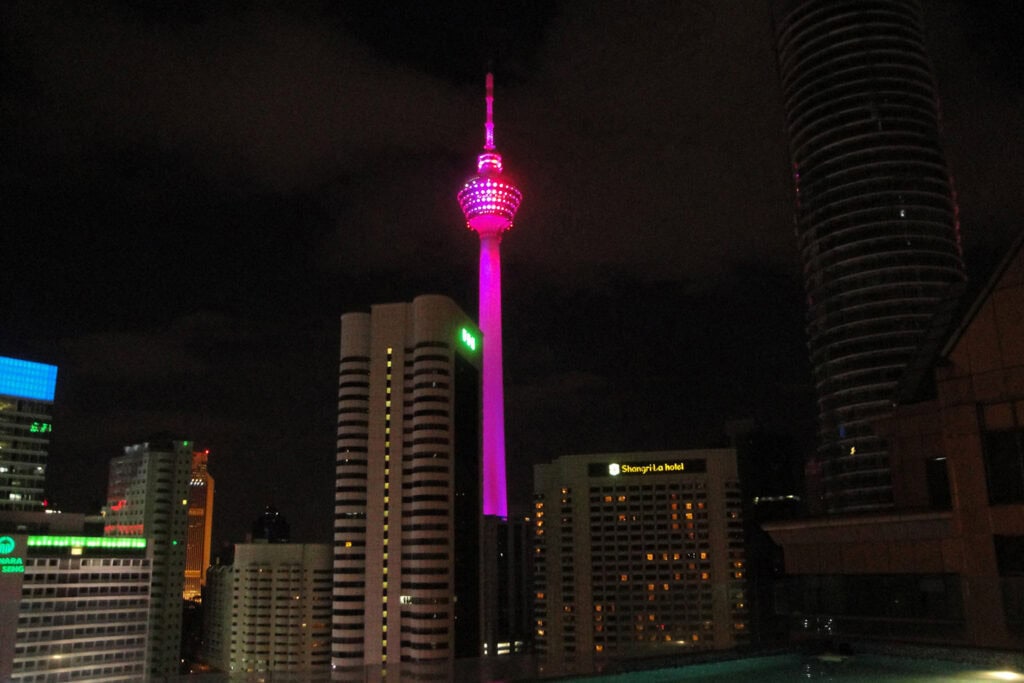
{"x": 270, "y": 610}
{"x": 73, "y": 608}
{"x": 408, "y": 515}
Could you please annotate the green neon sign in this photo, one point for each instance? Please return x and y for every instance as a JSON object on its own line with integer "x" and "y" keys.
{"x": 40, "y": 427}
{"x": 468, "y": 339}
{"x": 104, "y": 542}
{"x": 10, "y": 565}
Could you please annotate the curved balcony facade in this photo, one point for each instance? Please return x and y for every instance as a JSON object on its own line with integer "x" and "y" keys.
{"x": 876, "y": 218}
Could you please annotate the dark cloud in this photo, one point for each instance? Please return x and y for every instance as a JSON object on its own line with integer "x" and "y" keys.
{"x": 195, "y": 191}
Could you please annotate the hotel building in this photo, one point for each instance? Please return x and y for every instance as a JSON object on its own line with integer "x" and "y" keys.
{"x": 26, "y": 406}
{"x": 408, "y": 522}
{"x": 147, "y": 495}
{"x": 270, "y": 611}
{"x": 200, "y": 527}
{"x": 637, "y": 554}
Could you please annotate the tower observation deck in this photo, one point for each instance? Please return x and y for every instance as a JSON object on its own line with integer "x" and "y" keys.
{"x": 489, "y": 203}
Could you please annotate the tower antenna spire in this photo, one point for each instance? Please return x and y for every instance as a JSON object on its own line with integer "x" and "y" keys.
{"x": 489, "y": 126}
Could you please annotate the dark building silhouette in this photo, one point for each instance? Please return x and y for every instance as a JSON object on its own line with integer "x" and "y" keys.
{"x": 876, "y": 218}
{"x": 271, "y": 527}
{"x": 946, "y": 564}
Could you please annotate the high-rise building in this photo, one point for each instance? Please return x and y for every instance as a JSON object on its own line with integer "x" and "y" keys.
{"x": 637, "y": 554}
{"x": 147, "y": 495}
{"x": 408, "y": 512}
{"x": 26, "y": 405}
{"x": 876, "y": 218}
{"x": 72, "y": 607}
{"x": 200, "y": 526}
{"x": 270, "y": 611}
{"x": 946, "y": 565}
{"x": 489, "y": 202}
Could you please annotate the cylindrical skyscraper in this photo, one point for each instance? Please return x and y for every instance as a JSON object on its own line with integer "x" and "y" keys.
{"x": 489, "y": 203}
{"x": 876, "y": 218}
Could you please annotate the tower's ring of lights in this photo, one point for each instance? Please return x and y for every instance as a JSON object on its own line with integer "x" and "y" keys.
{"x": 483, "y": 196}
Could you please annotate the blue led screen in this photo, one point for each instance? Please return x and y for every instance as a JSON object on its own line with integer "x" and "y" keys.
{"x": 25, "y": 379}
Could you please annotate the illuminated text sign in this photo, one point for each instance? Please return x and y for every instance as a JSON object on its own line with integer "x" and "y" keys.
{"x": 10, "y": 565}
{"x": 104, "y": 542}
{"x": 619, "y": 469}
{"x": 468, "y": 339}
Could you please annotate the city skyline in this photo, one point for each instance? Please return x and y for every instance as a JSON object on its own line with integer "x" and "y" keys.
{"x": 194, "y": 207}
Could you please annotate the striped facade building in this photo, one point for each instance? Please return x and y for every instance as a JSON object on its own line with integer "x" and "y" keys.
{"x": 876, "y": 218}
{"x": 408, "y": 513}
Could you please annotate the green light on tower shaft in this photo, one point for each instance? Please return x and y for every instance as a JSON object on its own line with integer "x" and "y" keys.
{"x": 468, "y": 339}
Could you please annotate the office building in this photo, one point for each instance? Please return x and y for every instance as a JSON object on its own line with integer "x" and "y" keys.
{"x": 200, "y": 526}
{"x": 947, "y": 563}
{"x": 73, "y": 607}
{"x": 270, "y": 611}
{"x": 408, "y": 512}
{"x": 876, "y": 218}
{"x": 147, "y": 495}
{"x": 489, "y": 202}
{"x": 637, "y": 554}
{"x": 26, "y": 407}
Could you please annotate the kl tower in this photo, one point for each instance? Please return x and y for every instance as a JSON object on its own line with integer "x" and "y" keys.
{"x": 489, "y": 203}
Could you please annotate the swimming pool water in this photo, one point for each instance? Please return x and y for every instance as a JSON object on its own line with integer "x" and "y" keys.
{"x": 791, "y": 668}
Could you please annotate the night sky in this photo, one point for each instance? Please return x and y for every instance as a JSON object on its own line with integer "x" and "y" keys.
{"x": 193, "y": 192}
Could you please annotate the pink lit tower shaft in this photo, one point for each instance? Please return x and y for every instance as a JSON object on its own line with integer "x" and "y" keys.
{"x": 489, "y": 204}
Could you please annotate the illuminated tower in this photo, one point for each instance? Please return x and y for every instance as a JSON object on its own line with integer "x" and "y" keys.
{"x": 489, "y": 203}
{"x": 875, "y": 218}
{"x": 200, "y": 526}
